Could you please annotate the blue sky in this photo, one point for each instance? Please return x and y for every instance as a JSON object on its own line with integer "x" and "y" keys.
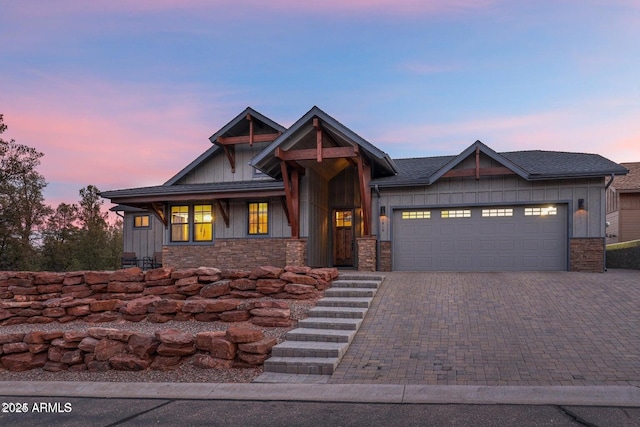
{"x": 123, "y": 94}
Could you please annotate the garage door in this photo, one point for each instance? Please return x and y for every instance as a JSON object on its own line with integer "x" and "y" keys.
{"x": 515, "y": 238}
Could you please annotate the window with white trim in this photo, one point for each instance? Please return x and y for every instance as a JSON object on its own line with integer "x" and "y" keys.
{"x": 541, "y": 211}
{"x": 497, "y": 212}
{"x": 416, "y": 215}
{"x": 460, "y": 213}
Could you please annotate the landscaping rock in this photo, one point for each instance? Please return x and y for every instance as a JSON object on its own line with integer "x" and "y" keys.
{"x": 240, "y": 335}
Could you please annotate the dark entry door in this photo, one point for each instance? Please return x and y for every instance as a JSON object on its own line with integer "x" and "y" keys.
{"x": 343, "y": 237}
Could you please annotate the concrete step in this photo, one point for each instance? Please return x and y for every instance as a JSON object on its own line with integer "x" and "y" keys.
{"x": 355, "y": 284}
{"x": 330, "y": 323}
{"x": 320, "y": 335}
{"x": 344, "y": 302}
{"x": 338, "y": 312}
{"x": 309, "y": 349}
{"x": 301, "y": 365}
{"x": 350, "y": 292}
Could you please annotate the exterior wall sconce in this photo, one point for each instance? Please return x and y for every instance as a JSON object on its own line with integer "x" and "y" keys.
{"x": 383, "y": 211}
{"x": 580, "y": 204}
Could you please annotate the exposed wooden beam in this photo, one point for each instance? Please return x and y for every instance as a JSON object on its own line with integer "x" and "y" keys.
{"x": 230, "y": 151}
{"x": 457, "y": 173}
{"x": 158, "y": 210}
{"x": 364, "y": 178}
{"x": 224, "y": 210}
{"x": 312, "y": 154}
{"x": 246, "y": 139}
{"x": 291, "y": 180}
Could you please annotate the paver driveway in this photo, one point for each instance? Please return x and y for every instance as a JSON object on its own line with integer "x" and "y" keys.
{"x": 499, "y": 329}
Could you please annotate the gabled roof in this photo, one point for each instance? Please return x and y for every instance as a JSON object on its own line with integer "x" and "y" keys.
{"x": 266, "y": 161}
{"x": 530, "y": 165}
{"x": 630, "y": 182}
{"x": 230, "y": 129}
{"x": 239, "y": 120}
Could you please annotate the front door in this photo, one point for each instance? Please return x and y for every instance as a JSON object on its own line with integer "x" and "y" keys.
{"x": 343, "y": 237}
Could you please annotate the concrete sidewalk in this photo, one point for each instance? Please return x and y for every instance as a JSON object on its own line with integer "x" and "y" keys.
{"x": 611, "y": 396}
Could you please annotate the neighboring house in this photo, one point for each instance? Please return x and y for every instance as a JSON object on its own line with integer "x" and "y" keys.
{"x": 623, "y": 206}
{"x": 318, "y": 194}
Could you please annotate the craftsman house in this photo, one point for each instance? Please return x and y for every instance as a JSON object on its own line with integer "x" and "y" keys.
{"x": 319, "y": 194}
{"x": 623, "y": 206}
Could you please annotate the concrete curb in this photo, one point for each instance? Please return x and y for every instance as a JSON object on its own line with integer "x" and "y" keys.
{"x": 620, "y": 396}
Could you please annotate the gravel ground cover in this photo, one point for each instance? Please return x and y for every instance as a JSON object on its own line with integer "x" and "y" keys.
{"x": 185, "y": 373}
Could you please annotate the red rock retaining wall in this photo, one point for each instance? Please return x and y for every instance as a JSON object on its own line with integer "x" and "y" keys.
{"x": 159, "y": 295}
{"x": 102, "y": 349}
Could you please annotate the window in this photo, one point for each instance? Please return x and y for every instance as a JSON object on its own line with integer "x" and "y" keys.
{"x": 416, "y": 215}
{"x": 550, "y": 210}
{"x": 258, "y": 218}
{"x": 141, "y": 221}
{"x": 497, "y": 212}
{"x": 202, "y": 223}
{"x": 179, "y": 223}
{"x": 344, "y": 219}
{"x": 462, "y": 213}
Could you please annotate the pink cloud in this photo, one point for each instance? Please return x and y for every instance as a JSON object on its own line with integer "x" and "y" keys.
{"x": 112, "y": 136}
{"x": 587, "y": 129}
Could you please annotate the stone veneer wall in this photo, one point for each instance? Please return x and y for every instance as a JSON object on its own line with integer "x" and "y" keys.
{"x": 232, "y": 253}
{"x": 587, "y": 254}
{"x": 385, "y": 256}
{"x": 366, "y": 253}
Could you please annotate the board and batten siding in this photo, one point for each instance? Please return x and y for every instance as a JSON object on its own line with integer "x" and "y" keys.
{"x": 315, "y": 215}
{"x": 143, "y": 241}
{"x": 218, "y": 169}
{"x": 501, "y": 191}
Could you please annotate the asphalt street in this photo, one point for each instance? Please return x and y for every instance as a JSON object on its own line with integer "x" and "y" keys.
{"x": 60, "y": 411}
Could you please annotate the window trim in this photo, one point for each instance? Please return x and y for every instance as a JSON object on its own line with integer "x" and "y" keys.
{"x": 258, "y": 223}
{"x": 141, "y": 216}
{"x": 191, "y": 224}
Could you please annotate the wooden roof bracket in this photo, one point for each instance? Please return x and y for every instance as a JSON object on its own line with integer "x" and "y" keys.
{"x": 283, "y": 200}
{"x": 230, "y": 151}
{"x": 224, "y": 210}
{"x": 158, "y": 210}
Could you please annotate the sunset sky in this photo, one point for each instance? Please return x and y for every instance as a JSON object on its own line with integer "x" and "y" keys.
{"x": 123, "y": 94}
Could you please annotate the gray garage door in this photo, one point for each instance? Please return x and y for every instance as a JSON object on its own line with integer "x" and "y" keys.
{"x": 517, "y": 238}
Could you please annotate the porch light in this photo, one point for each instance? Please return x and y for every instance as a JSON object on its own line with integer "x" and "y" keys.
{"x": 383, "y": 211}
{"x": 580, "y": 204}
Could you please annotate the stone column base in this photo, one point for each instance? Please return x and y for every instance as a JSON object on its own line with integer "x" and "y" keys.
{"x": 296, "y": 252}
{"x": 366, "y": 253}
{"x": 587, "y": 254}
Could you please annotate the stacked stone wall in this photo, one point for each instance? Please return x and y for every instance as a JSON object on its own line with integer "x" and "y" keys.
{"x": 159, "y": 295}
{"x": 102, "y": 349}
{"x": 587, "y": 254}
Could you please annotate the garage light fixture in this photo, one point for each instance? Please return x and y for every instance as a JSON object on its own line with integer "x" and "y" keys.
{"x": 383, "y": 211}
{"x": 580, "y": 204}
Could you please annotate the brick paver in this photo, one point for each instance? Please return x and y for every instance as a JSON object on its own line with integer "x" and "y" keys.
{"x": 499, "y": 329}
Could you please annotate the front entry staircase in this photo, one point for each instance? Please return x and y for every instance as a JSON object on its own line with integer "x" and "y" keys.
{"x": 321, "y": 340}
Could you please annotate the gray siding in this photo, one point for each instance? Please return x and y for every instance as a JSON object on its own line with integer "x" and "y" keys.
{"x": 143, "y": 241}
{"x": 502, "y": 190}
{"x": 316, "y": 210}
{"x": 218, "y": 169}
